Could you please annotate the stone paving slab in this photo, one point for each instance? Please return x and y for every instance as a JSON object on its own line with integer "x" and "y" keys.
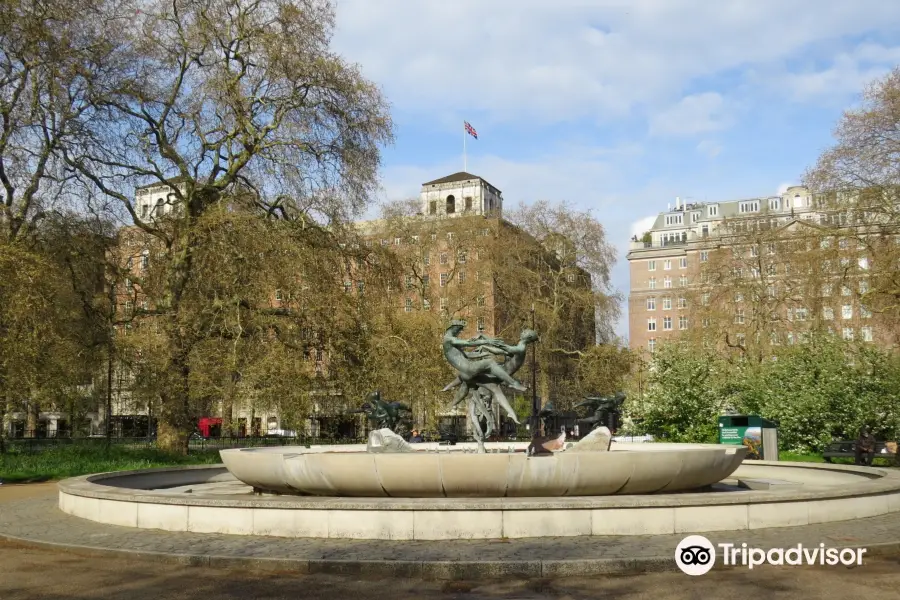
{"x": 38, "y": 522}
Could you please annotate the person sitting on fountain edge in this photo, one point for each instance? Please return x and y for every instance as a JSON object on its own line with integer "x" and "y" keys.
{"x": 415, "y": 437}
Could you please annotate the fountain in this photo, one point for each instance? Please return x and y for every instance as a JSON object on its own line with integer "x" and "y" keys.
{"x": 389, "y": 489}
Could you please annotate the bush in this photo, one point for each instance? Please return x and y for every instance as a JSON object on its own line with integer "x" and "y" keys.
{"x": 818, "y": 391}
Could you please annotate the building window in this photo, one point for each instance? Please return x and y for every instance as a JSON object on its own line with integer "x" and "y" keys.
{"x": 462, "y": 277}
{"x": 774, "y": 203}
{"x": 426, "y": 305}
{"x": 409, "y": 282}
{"x": 415, "y": 239}
{"x": 468, "y": 202}
{"x": 145, "y": 262}
{"x": 432, "y": 207}
{"x": 749, "y": 206}
{"x": 480, "y": 324}
{"x": 848, "y": 334}
{"x": 741, "y": 339}
{"x": 443, "y": 258}
{"x": 570, "y": 277}
{"x": 651, "y": 265}
{"x": 770, "y": 290}
{"x": 443, "y": 279}
{"x": 426, "y": 259}
{"x": 450, "y": 235}
{"x": 739, "y": 297}
{"x": 845, "y": 291}
{"x": 704, "y": 255}
{"x": 667, "y": 282}
{"x": 682, "y": 302}
{"x": 864, "y": 312}
{"x": 705, "y": 323}
{"x": 651, "y": 324}
{"x": 704, "y": 230}
{"x": 408, "y": 307}
{"x": 651, "y": 344}
{"x": 828, "y": 313}
{"x": 739, "y": 316}
{"x": 826, "y": 290}
{"x": 704, "y": 299}
{"x": 683, "y": 281}
{"x": 348, "y": 286}
{"x": 770, "y": 248}
{"x": 754, "y": 251}
{"x": 667, "y": 323}
{"x": 667, "y": 303}
{"x": 847, "y": 311}
{"x": 667, "y": 265}
{"x": 712, "y": 210}
{"x": 845, "y": 262}
{"x": 426, "y": 280}
{"x": 866, "y": 334}
{"x": 278, "y": 295}
{"x": 675, "y": 219}
{"x": 800, "y": 314}
{"x": 461, "y": 256}
{"x": 128, "y": 307}
{"x": 682, "y": 263}
{"x": 451, "y": 205}
{"x": 863, "y": 286}
{"x": 397, "y": 241}
{"x": 771, "y": 269}
{"x": 682, "y": 322}
{"x": 863, "y": 263}
{"x": 651, "y": 283}
{"x": 385, "y": 242}
{"x": 433, "y": 237}
{"x": 651, "y": 303}
{"x": 444, "y": 303}
{"x": 479, "y": 301}
{"x": 128, "y": 283}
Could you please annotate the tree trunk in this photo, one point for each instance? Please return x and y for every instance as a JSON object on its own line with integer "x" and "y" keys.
{"x": 4, "y": 403}
{"x": 32, "y": 417}
{"x": 175, "y": 424}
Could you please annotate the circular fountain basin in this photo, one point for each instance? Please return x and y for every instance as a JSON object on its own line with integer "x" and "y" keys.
{"x": 427, "y": 473}
{"x": 209, "y": 499}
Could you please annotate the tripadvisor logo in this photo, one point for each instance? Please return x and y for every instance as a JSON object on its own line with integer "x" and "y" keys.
{"x": 696, "y": 555}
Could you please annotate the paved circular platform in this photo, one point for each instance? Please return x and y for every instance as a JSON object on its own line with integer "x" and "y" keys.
{"x": 209, "y": 499}
{"x": 38, "y": 522}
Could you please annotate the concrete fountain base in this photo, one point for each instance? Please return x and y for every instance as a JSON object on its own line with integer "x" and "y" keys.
{"x": 210, "y": 500}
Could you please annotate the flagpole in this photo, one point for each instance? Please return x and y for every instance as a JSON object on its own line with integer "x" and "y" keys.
{"x": 465, "y": 162}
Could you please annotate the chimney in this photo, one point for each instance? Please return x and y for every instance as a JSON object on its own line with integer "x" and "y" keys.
{"x": 677, "y": 202}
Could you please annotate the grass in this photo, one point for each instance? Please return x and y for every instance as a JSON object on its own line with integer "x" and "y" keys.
{"x": 878, "y": 461}
{"x": 60, "y": 462}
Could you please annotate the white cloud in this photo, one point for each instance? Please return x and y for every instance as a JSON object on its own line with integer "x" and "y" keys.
{"x": 783, "y": 188}
{"x": 571, "y": 59}
{"x": 698, "y": 113}
{"x": 641, "y": 226}
{"x": 710, "y": 148}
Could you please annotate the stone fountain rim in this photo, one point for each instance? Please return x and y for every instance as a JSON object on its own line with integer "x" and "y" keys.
{"x": 873, "y": 481}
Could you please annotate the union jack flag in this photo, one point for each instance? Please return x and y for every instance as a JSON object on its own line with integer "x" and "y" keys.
{"x": 471, "y": 130}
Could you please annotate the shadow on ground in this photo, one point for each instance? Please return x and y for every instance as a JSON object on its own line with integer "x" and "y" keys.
{"x": 32, "y": 574}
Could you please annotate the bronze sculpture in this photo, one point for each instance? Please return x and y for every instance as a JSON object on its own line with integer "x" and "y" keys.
{"x": 480, "y": 375}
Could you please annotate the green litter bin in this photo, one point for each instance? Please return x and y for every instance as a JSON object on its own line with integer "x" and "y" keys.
{"x": 758, "y": 434}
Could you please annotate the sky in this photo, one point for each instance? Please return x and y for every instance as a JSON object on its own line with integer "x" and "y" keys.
{"x": 617, "y": 107}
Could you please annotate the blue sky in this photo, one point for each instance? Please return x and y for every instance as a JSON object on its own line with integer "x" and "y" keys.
{"x": 616, "y": 106}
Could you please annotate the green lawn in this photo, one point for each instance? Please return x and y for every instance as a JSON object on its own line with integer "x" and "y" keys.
{"x": 71, "y": 460}
{"x": 817, "y": 458}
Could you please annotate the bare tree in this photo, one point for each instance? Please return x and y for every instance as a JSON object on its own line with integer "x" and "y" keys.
{"x": 858, "y": 181}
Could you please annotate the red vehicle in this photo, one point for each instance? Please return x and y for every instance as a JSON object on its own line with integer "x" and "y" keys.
{"x": 210, "y": 426}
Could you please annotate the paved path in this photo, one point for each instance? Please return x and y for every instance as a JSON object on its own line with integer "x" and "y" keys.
{"x": 30, "y": 574}
{"x": 38, "y": 521}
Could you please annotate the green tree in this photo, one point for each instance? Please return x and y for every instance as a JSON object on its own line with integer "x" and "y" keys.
{"x": 240, "y": 97}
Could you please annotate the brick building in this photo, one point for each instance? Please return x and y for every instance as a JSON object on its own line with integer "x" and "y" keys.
{"x": 766, "y": 270}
